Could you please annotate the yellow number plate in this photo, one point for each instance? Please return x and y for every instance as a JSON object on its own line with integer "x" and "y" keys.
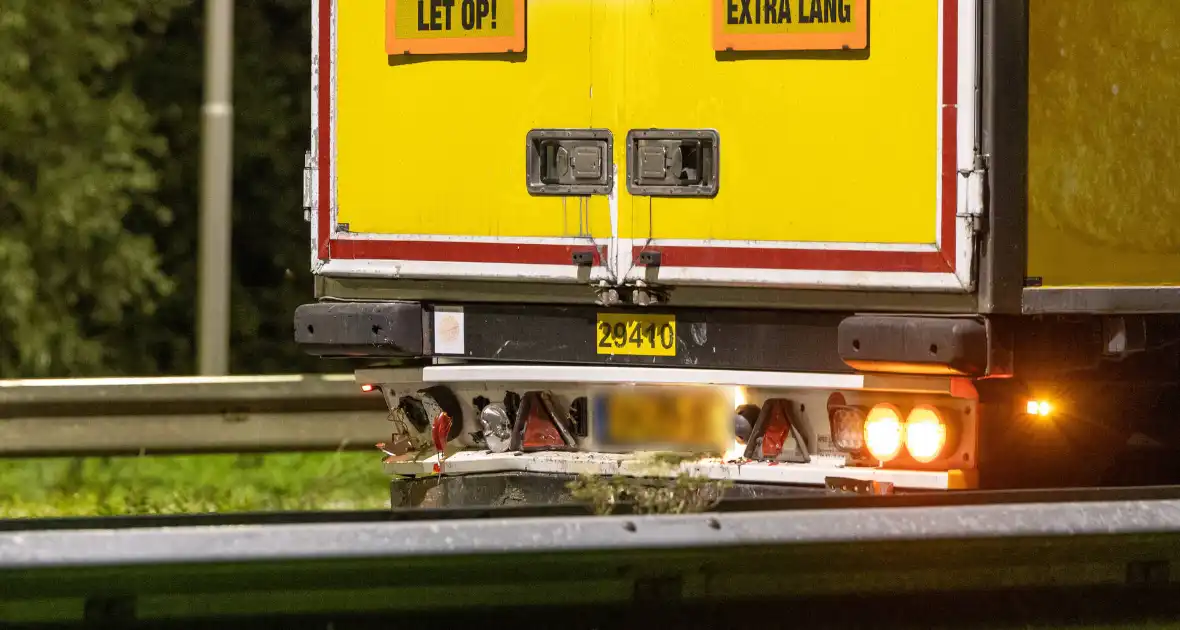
{"x": 642, "y": 335}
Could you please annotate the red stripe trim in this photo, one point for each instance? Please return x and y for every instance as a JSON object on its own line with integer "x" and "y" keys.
{"x": 950, "y": 51}
{"x": 324, "y": 144}
{"x": 950, "y": 130}
{"x": 950, "y": 181}
{"x": 802, "y": 259}
{"x": 443, "y": 251}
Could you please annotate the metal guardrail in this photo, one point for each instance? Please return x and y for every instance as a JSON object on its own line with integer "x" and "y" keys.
{"x": 51, "y": 417}
{"x": 1108, "y": 546}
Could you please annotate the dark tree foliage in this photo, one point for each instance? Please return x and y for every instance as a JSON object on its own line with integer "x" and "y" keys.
{"x": 99, "y": 180}
{"x": 77, "y": 155}
{"x": 271, "y": 129}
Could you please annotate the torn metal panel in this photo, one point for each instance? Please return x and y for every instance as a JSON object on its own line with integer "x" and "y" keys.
{"x": 514, "y": 489}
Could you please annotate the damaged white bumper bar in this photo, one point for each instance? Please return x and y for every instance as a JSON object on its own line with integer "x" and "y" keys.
{"x": 642, "y": 465}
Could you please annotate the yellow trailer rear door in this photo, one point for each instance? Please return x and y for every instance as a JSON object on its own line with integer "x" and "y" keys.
{"x": 422, "y": 109}
{"x": 841, "y": 128}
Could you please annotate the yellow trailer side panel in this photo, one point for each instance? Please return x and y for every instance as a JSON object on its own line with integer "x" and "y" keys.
{"x": 1104, "y": 160}
{"x": 815, "y": 146}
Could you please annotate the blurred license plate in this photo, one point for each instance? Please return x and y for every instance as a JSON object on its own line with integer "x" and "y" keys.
{"x": 682, "y": 419}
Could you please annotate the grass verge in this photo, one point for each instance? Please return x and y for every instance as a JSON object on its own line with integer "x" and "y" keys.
{"x": 107, "y": 486}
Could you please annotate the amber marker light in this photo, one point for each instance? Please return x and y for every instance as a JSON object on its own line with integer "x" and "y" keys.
{"x": 1042, "y": 408}
{"x": 925, "y": 434}
{"x": 884, "y": 432}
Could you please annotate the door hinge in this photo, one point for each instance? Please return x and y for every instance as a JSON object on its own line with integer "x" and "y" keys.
{"x": 976, "y": 177}
{"x": 309, "y": 170}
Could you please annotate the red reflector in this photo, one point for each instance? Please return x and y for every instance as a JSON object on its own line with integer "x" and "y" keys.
{"x": 540, "y": 432}
{"x": 440, "y": 431}
{"x": 777, "y": 428}
{"x": 538, "y": 428}
{"x": 771, "y": 431}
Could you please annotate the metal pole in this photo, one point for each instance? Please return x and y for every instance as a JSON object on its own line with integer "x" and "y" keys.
{"x": 216, "y": 190}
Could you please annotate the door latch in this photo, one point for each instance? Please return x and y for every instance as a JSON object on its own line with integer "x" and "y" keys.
{"x": 309, "y": 171}
{"x": 569, "y": 161}
{"x": 976, "y": 177}
{"x": 673, "y": 162}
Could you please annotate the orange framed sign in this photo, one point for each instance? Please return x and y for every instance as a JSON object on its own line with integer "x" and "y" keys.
{"x": 450, "y": 27}
{"x": 799, "y": 25}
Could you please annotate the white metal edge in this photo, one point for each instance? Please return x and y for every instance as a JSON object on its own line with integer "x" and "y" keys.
{"x": 809, "y": 278}
{"x": 427, "y": 269}
{"x": 939, "y": 385}
{"x": 619, "y": 255}
{"x": 779, "y": 278}
{"x": 607, "y": 374}
{"x": 968, "y": 80}
{"x": 835, "y": 246}
{"x": 335, "y": 158}
{"x": 315, "y": 119}
{"x": 566, "y": 240}
{"x": 458, "y": 238}
{"x": 812, "y": 474}
{"x": 941, "y": 73}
